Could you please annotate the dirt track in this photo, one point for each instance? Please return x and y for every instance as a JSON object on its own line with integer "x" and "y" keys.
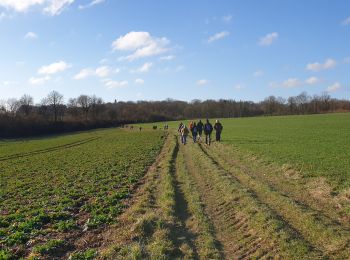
{"x": 203, "y": 202}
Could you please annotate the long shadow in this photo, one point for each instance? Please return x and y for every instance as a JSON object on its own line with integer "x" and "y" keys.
{"x": 178, "y": 232}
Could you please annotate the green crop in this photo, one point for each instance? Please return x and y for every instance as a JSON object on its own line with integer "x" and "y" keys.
{"x": 68, "y": 183}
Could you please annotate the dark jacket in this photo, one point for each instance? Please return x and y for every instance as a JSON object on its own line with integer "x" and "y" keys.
{"x": 200, "y": 126}
{"x": 208, "y": 128}
{"x": 218, "y": 127}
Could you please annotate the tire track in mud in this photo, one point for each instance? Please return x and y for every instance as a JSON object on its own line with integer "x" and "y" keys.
{"x": 233, "y": 209}
{"x": 47, "y": 150}
{"x": 318, "y": 230}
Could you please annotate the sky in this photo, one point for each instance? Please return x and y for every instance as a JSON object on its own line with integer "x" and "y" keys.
{"x": 132, "y": 50}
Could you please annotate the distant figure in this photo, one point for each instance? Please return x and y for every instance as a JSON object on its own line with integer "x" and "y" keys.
{"x": 199, "y": 129}
{"x": 184, "y": 134}
{"x": 191, "y": 126}
{"x": 140, "y": 128}
{"x": 180, "y": 127}
{"x": 131, "y": 127}
{"x": 194, "y": 132}
{"x": 208, "y": 129}
{"x": 218, "y": 128}
{"x": 155, "y": 127}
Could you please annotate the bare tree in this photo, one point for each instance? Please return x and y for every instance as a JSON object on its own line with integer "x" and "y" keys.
{"x": 55, "y": 101}
{"x": 26, "y": 102}
{"x": 84, "y": 102}
{"x": 12, "y": 105}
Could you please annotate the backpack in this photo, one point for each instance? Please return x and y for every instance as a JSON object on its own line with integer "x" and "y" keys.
{"x": 208, "y": 128}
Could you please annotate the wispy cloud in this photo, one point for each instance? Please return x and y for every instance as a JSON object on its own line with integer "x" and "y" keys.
{"x": 38, "y": 80}
{"x": 167, "y": 58}
{"x": 54, "y": 68}
{"x": 218, "y": 36}
{"x": 328, "y": 64}
{"x": 202, "y": 82}
{"x": 91, "y": 4}
{"x": 227, "y": 18}
{"x": 313, "y": 81}
{"x": 335, "y": 87}
{"x": 139, "y": 81}
{"x": 30, "y": 36}
{"x": 110, "y": 84}
{"x": 144, "y": 68}
{"x": 346, "y": 21}
{"x": 268, "y": 39}
{"x": 258, "y": 73}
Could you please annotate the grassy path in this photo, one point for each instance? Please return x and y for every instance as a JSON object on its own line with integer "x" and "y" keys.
{"x": 200, "y": 202}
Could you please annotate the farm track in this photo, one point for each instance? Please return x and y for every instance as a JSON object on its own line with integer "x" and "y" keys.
{"x": 197, "y": 204}
{"x": 317, "y": 228}
{"x": 47, "y": 150}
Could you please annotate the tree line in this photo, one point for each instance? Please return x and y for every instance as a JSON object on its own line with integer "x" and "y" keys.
{"x": 23, "y": 117}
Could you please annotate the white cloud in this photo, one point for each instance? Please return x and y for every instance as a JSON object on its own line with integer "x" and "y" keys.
{"x": 9, "y": 83}
{"x": 258, "y": 73}
{"x": 139, "y": 81}
{"x": 54, "y": 68}
{"x": 268, "y": 39}
{"x": 55, "y": 7}
{"x": 51, "y": 7}
{"x": 103, "y": 71}
{"x": 167, "y": 58}
{"x": 144, "y": 68}
{"x": 328, "y": 64}
{"x": 202, "y": 82}
{"x": 227, "y": 18}
{"x": 218, "y": 36}
{"x": 38, "y": 80}
{"x": 30, "y": 36}
{"x": 291, "y": 83}
{"x": 115, "y": 84}
{"x": 179, "y": 68}
{"x": 3, "y": 15}
{"x": 313, "y": 81}
{"x": 142, "y": 44}
{"x": 346, "y": 21}
{"x": 335, "y": 87}
{"x": 91, "y": 4}
{"x": 84, "y": 73}
{"x": 239, "y": 87}
{"x": 20, "y": 5}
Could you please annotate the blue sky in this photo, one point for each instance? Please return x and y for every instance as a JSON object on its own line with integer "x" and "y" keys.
{"x": 156, "y": 49}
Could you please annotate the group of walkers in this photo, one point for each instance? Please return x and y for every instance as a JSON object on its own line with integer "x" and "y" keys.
{"x": 196, "y": 129}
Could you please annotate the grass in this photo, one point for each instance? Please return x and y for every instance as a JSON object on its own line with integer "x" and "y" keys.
{"x": 317, "y": 145}
{"x": 65, "y": 184}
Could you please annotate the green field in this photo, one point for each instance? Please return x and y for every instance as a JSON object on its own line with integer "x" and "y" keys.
{"x": 318, "y": 145}
{"x": 275, "y": 187}
{"x": 55, "y": 186}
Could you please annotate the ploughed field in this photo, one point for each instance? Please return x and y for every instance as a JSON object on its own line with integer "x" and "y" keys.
{"x": 275, "y": 187}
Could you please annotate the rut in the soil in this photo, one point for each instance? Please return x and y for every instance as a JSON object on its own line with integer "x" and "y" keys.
{"x": 180, "y": 234}
{"x": 235, "y": 229}
{"x": 320, "y": 231}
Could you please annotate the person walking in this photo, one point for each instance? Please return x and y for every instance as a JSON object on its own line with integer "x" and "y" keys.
{"x": 180, "y": 127}
{"x": 208, "y": 129}
{"x": 194, "y": 132}
{"x": 218, "y": 128}
{"x": 200, "y": 129}
{"x": 184, "y": 134}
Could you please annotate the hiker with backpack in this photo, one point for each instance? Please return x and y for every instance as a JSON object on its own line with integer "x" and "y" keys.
{"x": 199, "y": 129}
{"x": 184, "y": 134}
{"x": 194, "y": 132}
{"x": 218, "y": 128}
{"x": 208, "y": 129}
